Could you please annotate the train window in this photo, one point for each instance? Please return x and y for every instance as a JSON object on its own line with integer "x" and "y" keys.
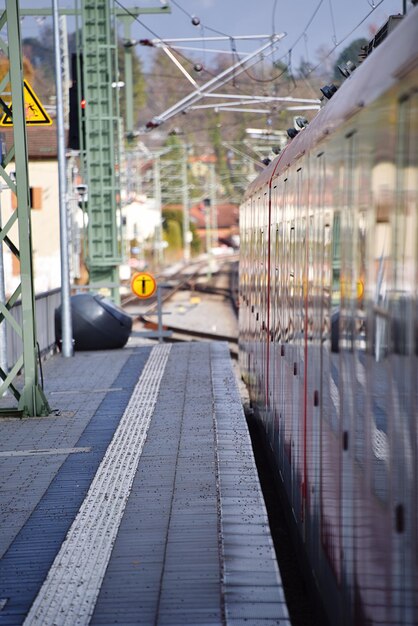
{"x": 380, "y": 331}
{"x": 291, "y": 279}
{"x": 273, "y": 279}
{"x": 264, "y": 269}
{"x": 380, "y": 278}
{"x": 320, "y": 261}
{"x": 300, "y": 256}
{"x": 310, "y": 277}
{"x": 326, "y": 280}
{"x": 405, "y": 234}
{"x": 292, "y": 254}
{"x": 336, "y": 259}
{"x": 279, "y": 280}
{"x": 400, "y": 441}
{"x": 360, "y": 319}
{"x": 326, "y": 272}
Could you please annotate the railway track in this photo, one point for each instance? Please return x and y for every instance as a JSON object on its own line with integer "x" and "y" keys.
{"x": 201, "y": 307}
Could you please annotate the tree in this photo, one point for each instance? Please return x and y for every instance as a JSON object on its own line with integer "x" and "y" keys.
{"x": 350, "y": 53}
{"x": 165, "y": 87}
{"x": 221, "y": 164}
{"x": 173, "y": 232}
{"x": 139, "y": 87}
{"x": 39, "y": 52}
{"x": 173, "y": 237}
{"x": 326, "y": 58}
{"x": 305, "y": 69}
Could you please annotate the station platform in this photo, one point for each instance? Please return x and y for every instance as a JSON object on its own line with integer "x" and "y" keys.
{"x": 137, "y": 501}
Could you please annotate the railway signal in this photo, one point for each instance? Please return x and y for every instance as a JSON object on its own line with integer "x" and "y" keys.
{"x": 143, "y": 285}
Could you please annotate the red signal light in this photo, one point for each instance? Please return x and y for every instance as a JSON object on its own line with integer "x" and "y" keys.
{"x": 83, "y": 104}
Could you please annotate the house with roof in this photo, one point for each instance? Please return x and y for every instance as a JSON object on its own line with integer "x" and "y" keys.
{"x": 225, "y": 219}
{"x": 45, "y": 219}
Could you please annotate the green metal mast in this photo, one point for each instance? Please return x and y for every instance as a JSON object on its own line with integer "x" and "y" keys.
{"x": 102, "y": 137}
{"x": 100, "y": 70}
{"x": 31, "y": 399}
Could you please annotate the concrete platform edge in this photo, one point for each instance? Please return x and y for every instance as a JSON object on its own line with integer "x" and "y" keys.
{"x": 252, "y": 587}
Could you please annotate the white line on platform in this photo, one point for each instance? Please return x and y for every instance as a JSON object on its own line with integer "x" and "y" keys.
{"x": 69, "y": 593}
{"x": 78, "y": 391}
{"x": 43, "y": 452}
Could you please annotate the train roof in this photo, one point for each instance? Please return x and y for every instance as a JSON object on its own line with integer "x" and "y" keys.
{"x": 377, "y": 74}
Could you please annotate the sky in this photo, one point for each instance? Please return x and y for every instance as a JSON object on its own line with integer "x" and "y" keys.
{"x": 308, "y": 24}
{"x": 333, "y": 21}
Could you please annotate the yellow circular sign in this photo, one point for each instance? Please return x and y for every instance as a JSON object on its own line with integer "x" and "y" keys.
{"x": 143, "y": 285}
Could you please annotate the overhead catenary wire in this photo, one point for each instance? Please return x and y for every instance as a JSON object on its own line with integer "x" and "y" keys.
{"x": 288, "y": 54}
{"x": 156, "y": 36}
{"x": 334, "y": 33}
{"x": 337, "y": 43}
{"x": 213, "y": 30}
{"x": 273, "y": 78}
{"x": 213, "y": 84}
{"x": 374, "y": 5}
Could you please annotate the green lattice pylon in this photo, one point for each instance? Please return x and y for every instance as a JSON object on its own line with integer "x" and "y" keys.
{"x": 102, "y": 122}
{"x": 31, "y": 399}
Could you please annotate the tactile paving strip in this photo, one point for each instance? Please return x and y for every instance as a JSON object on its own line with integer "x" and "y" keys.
{"x": 70, "y": 590}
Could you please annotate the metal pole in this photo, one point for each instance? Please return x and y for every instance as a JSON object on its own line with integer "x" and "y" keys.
{"x": 157, "y": 195}
{"x": 212, "y": 193}
{"x": 186, "y": 217}
{"x": 160, "y": 315}
{"x": 129, "y": 98}
{"x": 32, "y": 400}
{"x": 208, "y": 210}
{"x": 66, "y": 322}
{"x": 3, "y": 330}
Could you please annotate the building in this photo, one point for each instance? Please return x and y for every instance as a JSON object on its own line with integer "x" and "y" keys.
{"x": 224, "y": 225}
{"x": 45, "y": 218}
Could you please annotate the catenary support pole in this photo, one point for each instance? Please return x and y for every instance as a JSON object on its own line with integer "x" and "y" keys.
{"x": 3, "y": 333}
{"x": 186, "y": 208}
{"x": 66, "y": 321}
{"x": 213, "y": 206}
{"x": 32, "y": 400}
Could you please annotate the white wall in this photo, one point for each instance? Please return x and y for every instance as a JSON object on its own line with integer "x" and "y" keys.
{"x": 141, "y": 218}
{"x": 45, "y": 229}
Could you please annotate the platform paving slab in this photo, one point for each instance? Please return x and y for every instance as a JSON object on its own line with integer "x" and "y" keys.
{"x": 192, "y": 543}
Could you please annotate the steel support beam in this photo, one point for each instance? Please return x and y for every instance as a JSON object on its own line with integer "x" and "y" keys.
{"x": 133, "y": 11}
{"x": 31, "y": 399}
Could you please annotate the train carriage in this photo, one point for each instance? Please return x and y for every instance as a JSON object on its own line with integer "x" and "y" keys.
{"x": 329, "y": 333}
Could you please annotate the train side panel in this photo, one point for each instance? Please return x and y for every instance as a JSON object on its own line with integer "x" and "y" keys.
{"x": 329, "y": 342}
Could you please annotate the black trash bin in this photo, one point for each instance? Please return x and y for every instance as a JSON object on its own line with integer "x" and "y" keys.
{"x": 98, "y": 324}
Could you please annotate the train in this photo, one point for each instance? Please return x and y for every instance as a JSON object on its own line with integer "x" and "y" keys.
{"x": 328, "y": 332}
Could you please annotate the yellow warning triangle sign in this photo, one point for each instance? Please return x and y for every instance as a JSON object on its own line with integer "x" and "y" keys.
{"x": 35, "y": 113}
